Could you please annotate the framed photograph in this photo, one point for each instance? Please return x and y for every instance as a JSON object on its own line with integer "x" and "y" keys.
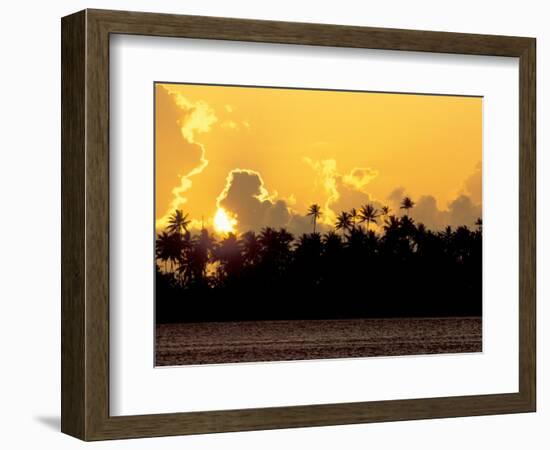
{"x": 271, "y": 224}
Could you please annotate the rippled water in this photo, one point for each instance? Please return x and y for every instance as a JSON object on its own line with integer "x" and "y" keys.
{"x": 209, "y": 343}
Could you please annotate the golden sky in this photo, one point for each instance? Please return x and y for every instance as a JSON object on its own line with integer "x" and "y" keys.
{"x": 264, "y": 155}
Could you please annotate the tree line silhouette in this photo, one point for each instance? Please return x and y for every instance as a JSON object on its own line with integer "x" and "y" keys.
{"x": 351, "y": 271}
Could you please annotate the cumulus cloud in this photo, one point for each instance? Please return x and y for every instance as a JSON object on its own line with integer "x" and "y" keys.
{"x": 351, "y": 190}
{"x": 395, "y": 197}
{"x": 460, "y": 211}
{"x": 464, "y": 209}
{"x": 193, "y": 118}
{"x": 197, "y": 117}
{"x": 426, "y": 211}
{"x": 343, "y": 191}
{"x": 326, "y": 178}
{"x": 360, "y": 177}
{"x": 246, "y": 198}
{"x": 473, "y": 184}
{"x": 300, "y": 224}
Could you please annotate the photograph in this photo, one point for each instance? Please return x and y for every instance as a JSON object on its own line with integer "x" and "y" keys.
{"x": 270, "y": 221}
{"x": 299, "y": 223}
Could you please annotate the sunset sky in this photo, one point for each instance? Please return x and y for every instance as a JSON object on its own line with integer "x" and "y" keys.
{"x": 245, "y": 158}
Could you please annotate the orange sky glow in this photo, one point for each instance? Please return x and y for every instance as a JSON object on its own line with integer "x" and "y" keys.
{"x": 241, "y": 158}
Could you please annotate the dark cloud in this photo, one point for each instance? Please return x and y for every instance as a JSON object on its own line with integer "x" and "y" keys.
{"x": 277, "y": 213}
{"x": 299, "y": 225}
{"x": 462, "y": 211}
{"x": 348, "y": 198}
{"x": 246, "y": 198}
{"x": 396, "y": 196}
{"x": 426, "y": 211}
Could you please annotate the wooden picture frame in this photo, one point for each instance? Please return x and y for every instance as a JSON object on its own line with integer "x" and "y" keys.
{"x": 85, "y": 224}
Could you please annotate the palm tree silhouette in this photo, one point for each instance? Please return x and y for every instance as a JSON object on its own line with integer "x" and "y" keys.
{"x": 193, "y": 270}
{"x": 228, "y": 253}
{"x": 169, "y": 248}
{"x": 161, "y": 249}
{"x": 267, "y": 238}
{"x": 408, "y": 228}
{"x": 391, "y": 224}
{"x": 354, "y": 215}
{"x": 202, "y": 247}
{"x": 178, "y": 222}
{"x": 368, "y": 213}
{"x": 315, "y": 212}
{"x": 332, "y": 242}
{"x": 275, "y": 251}
{"x": 385, "y": 211}
{"x": 479, "y": 223}
{"x": 251, "y": 247}
{"x": 344, "y": 222}
{"x": 407, "y": 204}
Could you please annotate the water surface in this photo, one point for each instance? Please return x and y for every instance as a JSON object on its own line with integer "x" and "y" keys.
{"x": 225, "y": 342}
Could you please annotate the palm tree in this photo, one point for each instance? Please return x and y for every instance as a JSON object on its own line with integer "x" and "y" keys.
{"x": 354, "y": 215}
{"x": 391, "y": 224}
{"x": 368, "y": 213}
{"x": 446, "y": 237}
{"x": 408, "y": 228}
{"x": 169, "y": 248}
{"x": 275, "y": 242}
{"x": 344, "y": 222}
{"x": 407, "y": 204}
{"x": 267, "y": 238}
{"x": 275, "y": 251}
{"x": 357, "y": 239}
{"x": 162, "y": 249}
{"x": 332, "y": 240}
{"x": 228, "y": 253}
{"x": 479, "y": 223}
{"x": 285, "y": 238}
{"x": 315, "y": 212}
{"x": 202, "y": 247}
{"x": 178, "y": 222}
{"x": 251, "y": 247}
{"x": 385, "y": 211}
{"x": 309, "y": 248}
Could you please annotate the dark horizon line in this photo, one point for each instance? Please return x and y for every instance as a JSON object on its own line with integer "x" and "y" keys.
{"x": 295, "y": 88}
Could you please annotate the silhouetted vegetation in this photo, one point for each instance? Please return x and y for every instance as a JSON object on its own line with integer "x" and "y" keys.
{"x": 402, "y": 270}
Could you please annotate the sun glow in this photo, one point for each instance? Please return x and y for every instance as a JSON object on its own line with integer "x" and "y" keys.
{"x": 223, "y": 222}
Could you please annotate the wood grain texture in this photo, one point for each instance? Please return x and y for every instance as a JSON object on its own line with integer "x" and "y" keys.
{"x": 97, "y": 226}
{"x": 73, "y": 110}
{"x": 85, "y": 224}
{"x": 152, "y": 24}
{"x": 527, "y": 224}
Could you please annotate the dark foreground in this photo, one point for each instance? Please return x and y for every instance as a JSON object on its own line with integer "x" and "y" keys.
{"x": 226, "y": 342}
